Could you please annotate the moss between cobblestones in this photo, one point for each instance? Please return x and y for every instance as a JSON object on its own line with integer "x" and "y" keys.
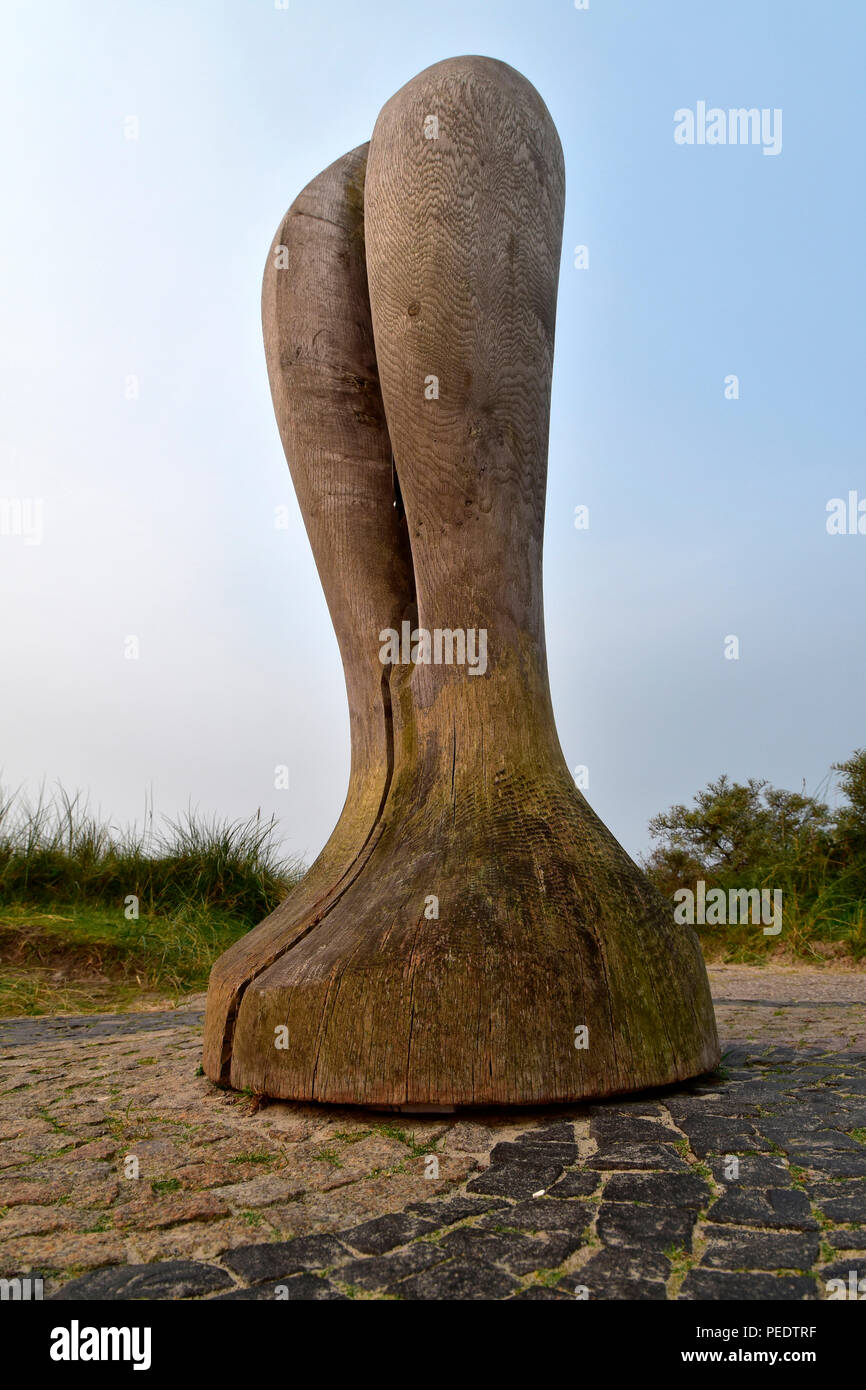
{"x": 682, "y": 1261}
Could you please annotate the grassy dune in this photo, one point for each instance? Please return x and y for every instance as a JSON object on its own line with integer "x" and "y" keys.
{"x": 92, "y": 917}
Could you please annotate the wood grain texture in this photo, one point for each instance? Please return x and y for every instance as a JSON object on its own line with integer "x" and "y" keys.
{"x": 544, "y": 922}
{"x": 324, "y": 383}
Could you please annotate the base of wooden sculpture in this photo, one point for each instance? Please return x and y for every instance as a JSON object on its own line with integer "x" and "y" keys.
{"x": 474, "y": 1012}
{"x": 499, "y": 947}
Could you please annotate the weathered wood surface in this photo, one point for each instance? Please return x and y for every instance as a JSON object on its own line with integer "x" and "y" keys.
{"x": 325, "y": 388}
{"x": 544, "y": 922}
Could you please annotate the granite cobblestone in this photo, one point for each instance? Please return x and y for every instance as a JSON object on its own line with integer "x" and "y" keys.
{"x": 744, "y": 1184}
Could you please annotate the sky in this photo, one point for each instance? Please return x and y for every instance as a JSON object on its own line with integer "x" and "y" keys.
{"x": 149, "y": 151}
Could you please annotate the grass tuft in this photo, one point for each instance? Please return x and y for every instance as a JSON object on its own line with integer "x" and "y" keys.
{"x": 92, "y": 916}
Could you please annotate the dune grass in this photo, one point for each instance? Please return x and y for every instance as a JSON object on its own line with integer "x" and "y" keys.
{"x": 825, "y": 927}
{"x": 93, "y": 917}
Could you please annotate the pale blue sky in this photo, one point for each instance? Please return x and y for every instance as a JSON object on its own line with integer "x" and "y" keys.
{"x": 707, "y": 516}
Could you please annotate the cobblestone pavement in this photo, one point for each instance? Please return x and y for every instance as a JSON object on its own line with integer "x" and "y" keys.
{"x": 745, "y": 1184}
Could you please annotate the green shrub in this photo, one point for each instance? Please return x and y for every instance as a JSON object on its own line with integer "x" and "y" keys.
{"x": 754, "y": 835}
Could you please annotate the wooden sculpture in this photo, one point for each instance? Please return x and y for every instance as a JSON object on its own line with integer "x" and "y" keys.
{"x": 471, "y": 933}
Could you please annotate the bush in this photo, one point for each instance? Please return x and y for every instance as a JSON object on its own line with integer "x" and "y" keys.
{"x": 754, "y": 835}
{"x": 851, "y": 819}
